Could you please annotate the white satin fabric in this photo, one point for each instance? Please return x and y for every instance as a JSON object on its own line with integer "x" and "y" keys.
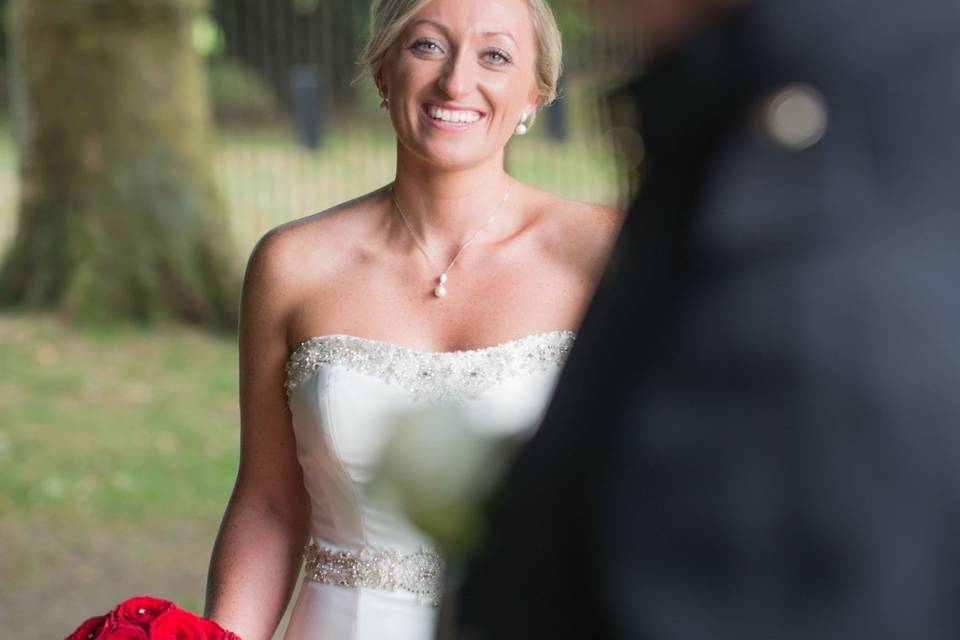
{"x": 345, "y": 395}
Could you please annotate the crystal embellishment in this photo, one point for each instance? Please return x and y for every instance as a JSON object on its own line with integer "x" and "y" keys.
{"x": 446, "y": 375}
{"x": 419, "y": 573}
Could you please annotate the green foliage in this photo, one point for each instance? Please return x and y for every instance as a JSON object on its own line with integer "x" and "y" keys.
{"x": 208, "y": 38}
{"x": 575, "y": 24}
{"x": 80, "y": 11}
{"x": 238, "y": 93}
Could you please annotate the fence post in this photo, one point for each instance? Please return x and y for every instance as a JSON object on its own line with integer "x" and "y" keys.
{"x": 557, "y": 116}
{"x": 306, "y": 95}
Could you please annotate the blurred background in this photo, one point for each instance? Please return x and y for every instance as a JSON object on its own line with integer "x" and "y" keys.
{"x": 145, "y": 145}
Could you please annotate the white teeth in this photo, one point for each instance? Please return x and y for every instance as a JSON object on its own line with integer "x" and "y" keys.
{"x": 453, "y": 116}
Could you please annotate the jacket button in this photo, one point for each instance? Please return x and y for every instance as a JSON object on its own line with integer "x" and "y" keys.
{"x": 796, "y": 117}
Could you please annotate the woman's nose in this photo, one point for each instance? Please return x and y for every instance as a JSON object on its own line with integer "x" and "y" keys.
{"x": 458, "y": 77}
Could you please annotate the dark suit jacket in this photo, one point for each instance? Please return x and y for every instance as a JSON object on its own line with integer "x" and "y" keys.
{"x": 757, "y": 434}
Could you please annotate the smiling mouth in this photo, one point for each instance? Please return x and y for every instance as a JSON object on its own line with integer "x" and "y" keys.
{"x": 452, "y": 116}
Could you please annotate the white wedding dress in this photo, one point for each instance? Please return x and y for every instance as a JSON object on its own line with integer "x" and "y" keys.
{"x": 370, "y": 574}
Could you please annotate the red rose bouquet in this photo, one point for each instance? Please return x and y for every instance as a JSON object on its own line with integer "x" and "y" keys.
{"x": 146, "y": 618}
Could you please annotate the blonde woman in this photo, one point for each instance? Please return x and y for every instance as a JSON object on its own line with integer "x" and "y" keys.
{"x": 454, "y": 284}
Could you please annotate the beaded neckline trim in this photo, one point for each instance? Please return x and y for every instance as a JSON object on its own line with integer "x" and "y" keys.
{"x": 440, "y": 374}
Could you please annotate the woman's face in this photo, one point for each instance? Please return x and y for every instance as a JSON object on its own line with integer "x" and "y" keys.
{"x": 460, "y": 77}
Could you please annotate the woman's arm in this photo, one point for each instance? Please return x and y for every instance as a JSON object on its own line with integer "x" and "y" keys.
{"x": 257, "y": 554}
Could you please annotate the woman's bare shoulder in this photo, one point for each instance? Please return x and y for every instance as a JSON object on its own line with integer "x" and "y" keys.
{"x": 582, "y": 233}
{"x": 328, "y": 227}
{"x": 312, "y": 241}
{"x": 605, "y": 220}
{"x": 301, "y": 253}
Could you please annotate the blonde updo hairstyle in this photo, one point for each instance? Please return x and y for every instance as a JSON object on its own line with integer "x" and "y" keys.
{"x": 388, "y": 19}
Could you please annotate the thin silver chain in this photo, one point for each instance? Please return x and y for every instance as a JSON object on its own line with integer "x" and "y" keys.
{"x": 465, "y": 244}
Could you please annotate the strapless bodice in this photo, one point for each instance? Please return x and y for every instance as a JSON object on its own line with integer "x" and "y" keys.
{"x": 347, "y": 395}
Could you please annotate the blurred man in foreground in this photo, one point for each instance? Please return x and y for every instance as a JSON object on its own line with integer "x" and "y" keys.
{"x": 757, "y": 434}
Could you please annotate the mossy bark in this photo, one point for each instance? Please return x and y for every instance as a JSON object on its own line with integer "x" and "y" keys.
{"x": 119, "y": 214}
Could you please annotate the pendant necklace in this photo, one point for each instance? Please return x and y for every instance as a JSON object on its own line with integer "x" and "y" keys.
{"x": 441, "y": 289}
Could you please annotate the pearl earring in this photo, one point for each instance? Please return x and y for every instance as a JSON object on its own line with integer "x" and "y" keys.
{"x": 522, "y": 128}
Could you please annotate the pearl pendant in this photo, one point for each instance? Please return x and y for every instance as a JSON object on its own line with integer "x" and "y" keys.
{"x": 441, "y": 290}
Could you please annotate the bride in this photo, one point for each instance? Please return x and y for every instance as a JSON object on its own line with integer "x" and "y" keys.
{"x": 456, "y": 283}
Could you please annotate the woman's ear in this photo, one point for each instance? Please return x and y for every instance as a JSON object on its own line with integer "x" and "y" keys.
{"x": 381, "y": 87}
{"x": 534, "y": 103}
{"x": 382, "y": 90}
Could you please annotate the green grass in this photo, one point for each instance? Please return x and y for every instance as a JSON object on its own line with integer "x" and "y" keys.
{"x": 118, "y": 450}
{"x": 126, "y": 426}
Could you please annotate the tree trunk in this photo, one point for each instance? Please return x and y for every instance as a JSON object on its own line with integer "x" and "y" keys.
{"x": 119, "y": 214}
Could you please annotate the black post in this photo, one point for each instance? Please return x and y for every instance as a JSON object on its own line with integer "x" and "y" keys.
{"x": 306, "y": 104}
{"x": 557, "y": 116}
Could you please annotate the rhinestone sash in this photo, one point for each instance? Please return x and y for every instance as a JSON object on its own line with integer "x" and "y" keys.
{"x": 419, "y": 573}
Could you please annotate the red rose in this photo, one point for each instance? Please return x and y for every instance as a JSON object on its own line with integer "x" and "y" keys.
{"x": 125, "y": 632}
{"x": 140, "y": 611}
{"x": 89, "y": 630}
{"x": 146, "y": 618}
{"x": 108, "y": 627}
{"x": 177, "y": 624}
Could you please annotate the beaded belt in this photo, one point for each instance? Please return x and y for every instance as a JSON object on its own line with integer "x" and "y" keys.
{"x": 420, "y": 573}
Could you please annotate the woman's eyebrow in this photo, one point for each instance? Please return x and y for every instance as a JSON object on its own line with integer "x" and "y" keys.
{"x": 440, "y": 27}
{"x": 437, "y": 25}
{"x": 507, "y": 34}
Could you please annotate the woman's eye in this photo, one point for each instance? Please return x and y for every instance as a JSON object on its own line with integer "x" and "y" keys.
{"x": 426, "y": 46}
{"x": 498, "y": 57}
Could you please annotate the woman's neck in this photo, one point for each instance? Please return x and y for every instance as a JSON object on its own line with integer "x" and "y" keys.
{"x": 446, "y": 207}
